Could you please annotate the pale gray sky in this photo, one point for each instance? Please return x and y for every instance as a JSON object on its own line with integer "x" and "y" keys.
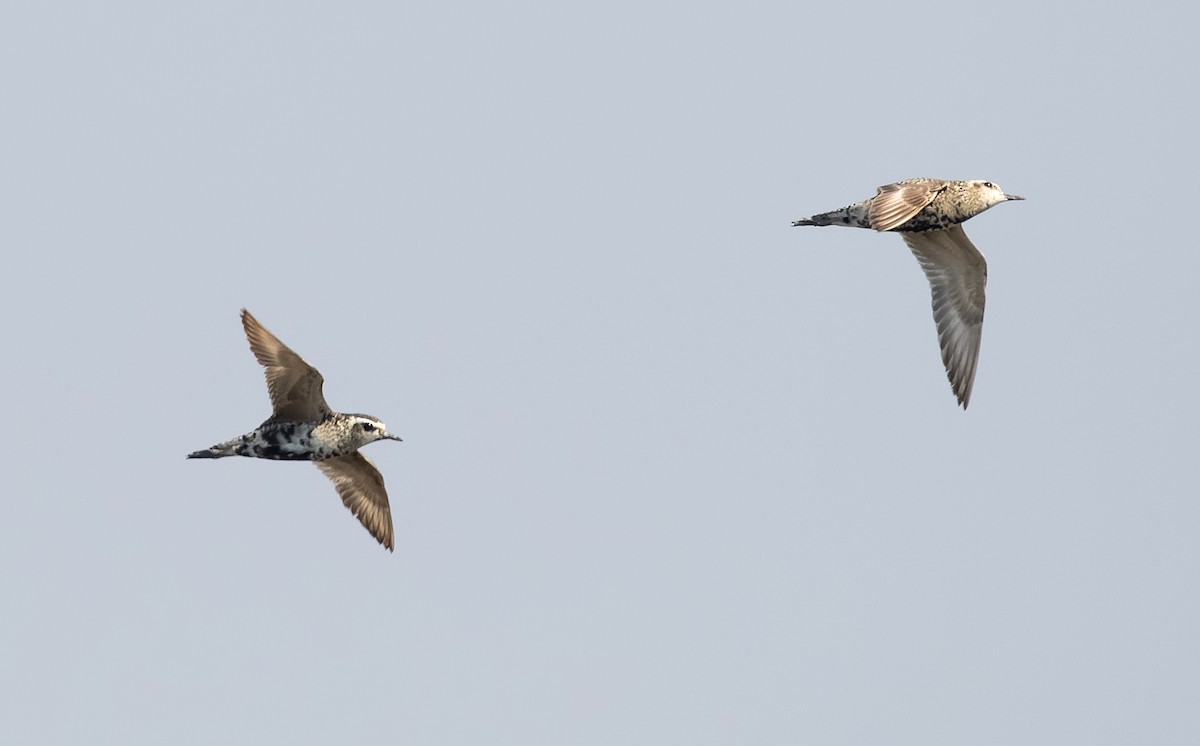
{"x": 673, "y": 471}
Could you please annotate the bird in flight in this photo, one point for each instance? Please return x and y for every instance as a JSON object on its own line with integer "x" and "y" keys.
{"x": 928, "y": 214}
{"x": 302, "y": 427}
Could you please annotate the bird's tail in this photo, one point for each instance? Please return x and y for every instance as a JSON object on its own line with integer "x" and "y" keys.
{"x": 220, "y": 450}
{"x": 854, "y": 216}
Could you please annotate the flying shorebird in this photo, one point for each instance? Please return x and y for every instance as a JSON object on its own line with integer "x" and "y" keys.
{"x": 928, "y": 214}
{"x": 302, "y": 427}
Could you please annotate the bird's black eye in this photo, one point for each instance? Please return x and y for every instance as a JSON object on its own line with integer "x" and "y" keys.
{"x": 989, "y": 185}
{"x": 368, "y": 427}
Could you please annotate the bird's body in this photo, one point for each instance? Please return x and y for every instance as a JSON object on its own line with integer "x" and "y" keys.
{"x": 331, "y": 437}
{"x": 928, "y": 214}
{"x": 304, "y": 428}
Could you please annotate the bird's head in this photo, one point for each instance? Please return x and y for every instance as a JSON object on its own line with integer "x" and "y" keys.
{"x": 990, "y": 193}
{"x": 976, "y": 196}
{"x": 367, "y": 429}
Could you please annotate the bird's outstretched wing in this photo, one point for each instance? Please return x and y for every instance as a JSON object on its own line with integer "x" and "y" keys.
{"x": 360, "y": 486}
{"x": 896, "y": 204}
{"x": 957, "y": 275}
{"x": 294, "y": 385}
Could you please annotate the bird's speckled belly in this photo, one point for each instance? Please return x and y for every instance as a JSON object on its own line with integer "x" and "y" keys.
{"x": 284, "y": 441}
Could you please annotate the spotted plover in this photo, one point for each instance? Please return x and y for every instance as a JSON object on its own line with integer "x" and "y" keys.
{"x": 302, "y": 427}
{"x": 928, "y": 214}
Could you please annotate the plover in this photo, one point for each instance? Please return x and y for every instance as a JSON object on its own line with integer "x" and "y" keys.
{"x": 928, "y": 214}
{"x": 302, "y": 427}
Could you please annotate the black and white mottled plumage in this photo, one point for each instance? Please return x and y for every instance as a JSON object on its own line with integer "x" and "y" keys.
{"x": 928, "y": 214}
{"x": 302, "y": 427}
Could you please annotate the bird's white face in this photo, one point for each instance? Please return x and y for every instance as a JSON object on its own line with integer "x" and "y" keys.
{"x": 368, "y": 430}
{"x": 993, "y": 194}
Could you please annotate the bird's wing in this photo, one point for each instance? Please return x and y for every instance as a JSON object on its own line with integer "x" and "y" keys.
{"x": 896, "y": 204}
{"x": 957, "y": 275}
{"x": 360, "y": 486}
{"x": 294, "y": 385}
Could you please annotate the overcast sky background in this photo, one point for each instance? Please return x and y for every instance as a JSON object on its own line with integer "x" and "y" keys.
{"x": 672, "y": 470}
